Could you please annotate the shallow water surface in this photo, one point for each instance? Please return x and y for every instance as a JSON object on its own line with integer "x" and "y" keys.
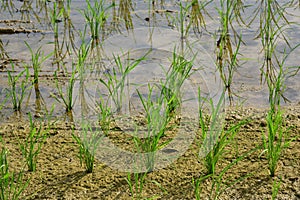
{"x": 133, "y": 29}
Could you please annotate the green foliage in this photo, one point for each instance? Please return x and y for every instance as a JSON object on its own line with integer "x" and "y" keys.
{"x": 11, "y": 183}
{"x": 66, "y": 99}
{"x": 88, "y": 141}
{"x": 275, "y": 188}
{"x": 177, "y": 74}
{"x": 16, "y": 92}
{"x": 4, "y": 101}
{"x": 136, "y": 182}
{"x": 105, "y": 115}
{"x": 157, "y": 119}
{"x": 37, "y": 58}
{"x": 276, "y": 140}
{"x": 33, "y": 144}
{"x": 213, "y": 134}
{"x": 115, "y": 80}
{"x": 277, "y": 134}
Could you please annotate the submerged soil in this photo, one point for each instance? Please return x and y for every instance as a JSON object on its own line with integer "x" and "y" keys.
{"x": 59, "y": 174}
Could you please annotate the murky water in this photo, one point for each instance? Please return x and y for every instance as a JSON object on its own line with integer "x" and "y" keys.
{"x": 132, "y": 30}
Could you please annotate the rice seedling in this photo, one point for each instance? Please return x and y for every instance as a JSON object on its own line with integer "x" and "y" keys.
{"x": 56, "y": 17}
{"x": 157, "y": 119}
{"x": 197, "y": 186}
{"x": 12, "y": 184}
{"x": 211, "y": 130}
{"x": 37, "y": 58}
{"x": 136, "y": 185}
{"x": 277, "y": 138}
{"x": 88, "y": 141}
{"x": 66, "y": 99}
{"x": 219, "y": 185}
{"x": 136, "y": 182}
{"x": 215, "y": 137}
{"x": 17, "y": 93}
{"x": 60, "y": 14}
{"x": 78, "y": 67}
{"x": 273, "y": 23}
{"x": 275, "y": 188}
{"x": 3, "y": 102}
{"x": 32, "y": 145}
{"x": 225, "y": 138}
{"x": 179, "y": 71}
{"x": 115, "y": 80}
{"x": 105, "y": 115}
{"x": 227, "y": 62}
{"x": 68, "y": 10}
{"x": 82, "y": 55}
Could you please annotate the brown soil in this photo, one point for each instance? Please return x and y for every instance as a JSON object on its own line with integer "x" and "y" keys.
{"x": 59, "y": 174}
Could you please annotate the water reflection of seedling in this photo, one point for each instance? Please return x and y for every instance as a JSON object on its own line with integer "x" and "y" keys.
{"x": 12, "y": 184}
{"x": 3, "y": 53}
{"x": 17, "y": 93}
{"x": 239, "y": 9}
{"x": 273, "y": 24}
{"x": 63, "y": 44}
{"x": 96, "y": 16}
{"x": 227, "y": 61}
{"x": 67, "y": 99}
{"x": 190, "y": 15}
{"x": 184, "y": 27}
{"x": 196, "y": 14}
{"x": 124, "y": 12}
{"x": 56, "y": 16}
{"x": 33, "y": 144}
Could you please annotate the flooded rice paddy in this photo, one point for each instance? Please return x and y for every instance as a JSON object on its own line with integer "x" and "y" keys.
{"x": 60, "y": 60}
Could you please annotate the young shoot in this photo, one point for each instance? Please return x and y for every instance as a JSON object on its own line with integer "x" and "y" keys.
{"x": 32, "y": 145}
{"x": 17, "y": 91}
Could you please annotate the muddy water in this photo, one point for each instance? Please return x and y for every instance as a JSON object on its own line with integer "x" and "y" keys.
{"x": 136, "y": 29}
